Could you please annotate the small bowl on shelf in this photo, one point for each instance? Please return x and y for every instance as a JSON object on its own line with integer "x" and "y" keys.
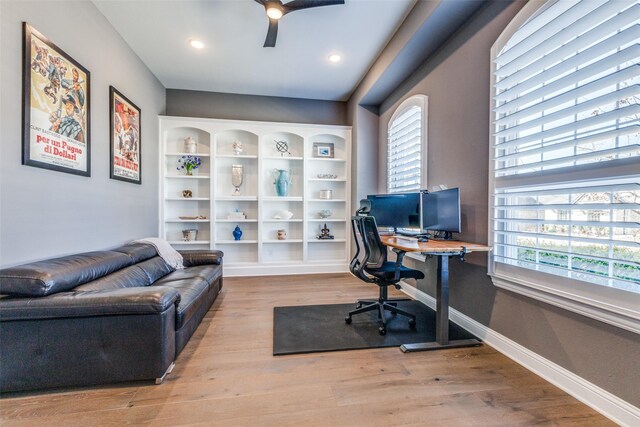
{"x": 327, "y": 176}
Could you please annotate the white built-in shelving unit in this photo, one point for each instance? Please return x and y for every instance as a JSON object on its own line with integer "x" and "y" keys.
{"x": 259, "y": 252}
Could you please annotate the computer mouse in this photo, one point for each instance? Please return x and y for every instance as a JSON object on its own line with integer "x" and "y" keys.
{"x": 423, "y": 239}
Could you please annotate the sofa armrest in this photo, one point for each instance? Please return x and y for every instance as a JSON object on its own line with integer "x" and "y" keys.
{"x": 124, "y": 301}
{"x": 201, "y": 257}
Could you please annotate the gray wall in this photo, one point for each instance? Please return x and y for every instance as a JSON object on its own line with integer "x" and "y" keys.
{"x": 456, "y": 80}
{"x": 191, "y": 103}
{"x": 45, "y": 213}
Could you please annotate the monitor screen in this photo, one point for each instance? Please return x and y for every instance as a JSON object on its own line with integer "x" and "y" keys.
{"x": 396, "y": 210}
{"x": 441, "y": 210}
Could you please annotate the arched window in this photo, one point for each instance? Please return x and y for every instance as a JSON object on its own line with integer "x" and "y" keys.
{"x": 565, "y": 163}
{"x": 406, "y": 148}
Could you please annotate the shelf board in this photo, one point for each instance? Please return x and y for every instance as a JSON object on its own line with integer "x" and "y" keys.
{"x": 173, "y": 154}
{"x": 326, "y": 220}
{"x": 322, "y": 159}
{"x": 187, "y": 199}
{"x": 188, "y": 176}
{"x": 236, "y": 220}
{"x": 327, "y": 240}
{"x": 281, "y": 220}
{"x": 283, "y": 241}
{"x": 328, "y": 179}
{"x": 233, "y": 156}
{"x": 281, "y": 158}
{"x": 192, "y": 242}
{"x": 282, "y": 199}
{"x": 186, "y": 220}
{"x": 237, "y": 198}
{"x": 327, "y": 200}
{"x": 235, "y": 242}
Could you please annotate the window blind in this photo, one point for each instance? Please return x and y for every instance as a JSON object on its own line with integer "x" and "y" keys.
{"x": 567, "y": 100}
{"x": 404, "y": 161}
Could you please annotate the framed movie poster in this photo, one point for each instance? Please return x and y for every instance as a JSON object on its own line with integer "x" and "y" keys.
{"x": 56, "y": 108}
{"x": 124, "y": 125}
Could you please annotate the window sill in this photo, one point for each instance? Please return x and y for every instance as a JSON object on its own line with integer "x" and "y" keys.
{"x": 621, "y": 317}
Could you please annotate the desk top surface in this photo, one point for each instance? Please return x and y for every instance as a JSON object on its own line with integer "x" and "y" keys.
{"x": 432, "y": 246}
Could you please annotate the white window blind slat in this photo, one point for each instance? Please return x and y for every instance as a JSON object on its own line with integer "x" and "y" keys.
{"x": 572, "y": 142}
{"x": 592, "y": 87}
{"x": 559, "y": 61}
{"x": 575, "y": 126}
{"x": 551, "y": 35}
{"x": 404, "y": 150}
{"x": 591, "y": 104}
{"x": 588, "y": 72}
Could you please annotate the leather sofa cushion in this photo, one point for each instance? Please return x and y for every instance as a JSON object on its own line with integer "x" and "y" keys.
{"x": 155, "y": 268}
{"x": 209, "y": 273}
{"x": 201, "y": 257}
{"x": 60, "y": 274}
{"x": 137, "y": 251}
{"x": 107, "y": 302}
{"x": 190, "y": 283}
{"x": 129, "y": 277}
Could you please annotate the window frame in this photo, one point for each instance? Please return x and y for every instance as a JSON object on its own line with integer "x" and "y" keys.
{"x": 610, "y": 305}
{"x": 421, "y": 101}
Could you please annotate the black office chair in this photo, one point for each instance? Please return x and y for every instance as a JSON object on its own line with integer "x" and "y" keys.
{"x": 370, "y": 265}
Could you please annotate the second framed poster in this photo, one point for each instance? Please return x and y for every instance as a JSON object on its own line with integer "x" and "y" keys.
{"x": 124, "y": 123}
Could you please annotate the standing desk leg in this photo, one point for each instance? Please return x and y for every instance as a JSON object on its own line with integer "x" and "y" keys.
{"x": 442, "y": 315}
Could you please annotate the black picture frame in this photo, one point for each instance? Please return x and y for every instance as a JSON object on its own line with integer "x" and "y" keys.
{"x": 56, "y": 107}
{"x": 125, "y": 136}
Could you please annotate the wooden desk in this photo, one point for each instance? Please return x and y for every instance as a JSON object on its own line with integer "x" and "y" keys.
{"x": 443, "y": 249}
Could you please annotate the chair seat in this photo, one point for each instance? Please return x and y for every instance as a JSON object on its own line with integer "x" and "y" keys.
{"x": 388, "y": 270}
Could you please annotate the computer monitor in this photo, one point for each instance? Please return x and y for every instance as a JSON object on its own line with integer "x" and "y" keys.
{"x": 396, "y": 211}
{"x": 441, "y": 211}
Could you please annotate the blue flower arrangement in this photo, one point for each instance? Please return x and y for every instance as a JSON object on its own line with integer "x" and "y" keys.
{"x": 189, "y": 163}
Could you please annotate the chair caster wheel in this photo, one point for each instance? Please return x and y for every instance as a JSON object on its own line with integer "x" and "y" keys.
{"x": 412, "y": 323}
{"x": 382, "y": 330}
{"x": 347, "y": 320}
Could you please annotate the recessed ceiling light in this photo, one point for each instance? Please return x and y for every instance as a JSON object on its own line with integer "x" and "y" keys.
{"x": 196, "y": 43}
{"x": 334, "y": 57}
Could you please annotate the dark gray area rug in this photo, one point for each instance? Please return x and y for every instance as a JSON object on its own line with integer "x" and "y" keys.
{"x": 315, "y": 328}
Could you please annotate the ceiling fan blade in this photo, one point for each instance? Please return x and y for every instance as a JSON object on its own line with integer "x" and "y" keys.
{"x": 272, "y": 33}
{"x": 262, "y": 2}
{"x": 294, "y": 5}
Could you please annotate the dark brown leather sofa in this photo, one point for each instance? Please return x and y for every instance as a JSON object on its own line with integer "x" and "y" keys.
{"x": 101, "y": 317}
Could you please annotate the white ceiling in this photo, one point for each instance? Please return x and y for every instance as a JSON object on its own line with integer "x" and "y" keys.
{"x": 233, "y": 31}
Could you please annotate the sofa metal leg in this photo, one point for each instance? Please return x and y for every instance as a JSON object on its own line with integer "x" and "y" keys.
{"x": 167, "y": 372}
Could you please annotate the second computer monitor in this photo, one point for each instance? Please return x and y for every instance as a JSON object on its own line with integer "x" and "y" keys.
{"x": 396, "y": 210}
{"x": 441, "y": 211}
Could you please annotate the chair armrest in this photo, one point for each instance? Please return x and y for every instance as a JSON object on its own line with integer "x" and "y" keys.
{"x": 201, "y": 257}
{"x": 399, "y": 257}
{"x": 123, "y": 301}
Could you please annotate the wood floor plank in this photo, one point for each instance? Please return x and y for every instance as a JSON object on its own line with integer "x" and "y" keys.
{"x": 228, "y": 376}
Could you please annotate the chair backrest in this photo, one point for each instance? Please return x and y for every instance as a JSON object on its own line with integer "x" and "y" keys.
{"x": 370, "y": 252}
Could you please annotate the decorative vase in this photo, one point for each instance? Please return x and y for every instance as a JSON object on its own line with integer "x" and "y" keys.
{"x": 282, "y": 234}
{"x": 189, "y": 235}
{"x": 236, "y": 178}
{"x": 237, "y": 233}
{"x": 190, "y": 145}
{"x": 282, "y": 182}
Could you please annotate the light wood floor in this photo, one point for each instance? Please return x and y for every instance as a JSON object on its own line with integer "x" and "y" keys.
{"x": 227, "y": 376}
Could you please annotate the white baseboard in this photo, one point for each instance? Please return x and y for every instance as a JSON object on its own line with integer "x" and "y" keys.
{"x": 590, "y": 394}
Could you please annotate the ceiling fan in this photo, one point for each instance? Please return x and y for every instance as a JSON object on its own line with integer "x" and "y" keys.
{"x": 275, "y": 10}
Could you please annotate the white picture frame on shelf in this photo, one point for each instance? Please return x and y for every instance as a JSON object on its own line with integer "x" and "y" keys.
{"x": 323, "y": 150}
